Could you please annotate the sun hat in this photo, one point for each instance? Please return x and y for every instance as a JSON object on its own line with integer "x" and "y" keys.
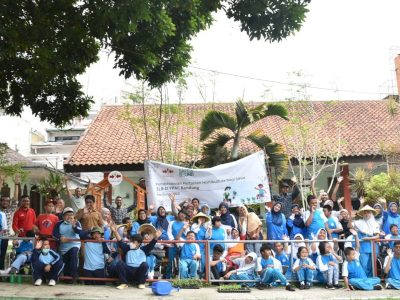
{"x": 200, "y": 214}
{"x": 367, "y": 208}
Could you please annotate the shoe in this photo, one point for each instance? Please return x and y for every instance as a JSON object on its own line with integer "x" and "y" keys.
{"x": 352, "y": 287}
{"x": 302, "y": 287}
{"x": 141, "y": 286}
{"x": 388, "y": 286}
{"x": 329, "y": 286}
{"x": 377, "y": 287}
{"x": 261, "y": 286}
{"x": 338, "y": 286}
{"x": 52, "y": 282}
{"x": 122, "y": 286}
{"x": 75, "y": 277}
{"x": 38, "y": 282}
{"x": 150, "y": 275}
{"x": 289, "y": 287}
{"x": 307, "y": 287}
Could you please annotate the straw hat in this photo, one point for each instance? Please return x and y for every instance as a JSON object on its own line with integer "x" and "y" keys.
{"x": 200, "y": 214}
{"x": 366, "y": 208}
{"x": 147, "y": 227}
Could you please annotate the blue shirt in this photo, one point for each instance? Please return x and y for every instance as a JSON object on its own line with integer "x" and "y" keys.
{"x": 217, "y": 234}
{"x": 394, "y": 271}
{"x": 188, "y": 251}
{"x": 285, "y": 261}
{"x": 24, "y": 246}
{"x": 317, "y": 223}
{"x": 354, "y": 270}
{"x": 50, "y": 258}
{"x": 275, "y": 232}
{"x": 134, "y": 257}
{"x": 332, "y": 225}
{"x": 66, "y": 230}
{"x": 388, "y": 220}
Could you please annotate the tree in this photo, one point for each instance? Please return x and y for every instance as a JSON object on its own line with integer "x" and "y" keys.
{"x": 9, "y": 169}
{"x": 45, "y": 45}
{"x": 233, "y": 129}
{"x": 51, "y": 186}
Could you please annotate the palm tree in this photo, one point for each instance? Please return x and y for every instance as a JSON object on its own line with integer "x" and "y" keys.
{"x": 217, "y": 120}
{"x": 51, "y": 186}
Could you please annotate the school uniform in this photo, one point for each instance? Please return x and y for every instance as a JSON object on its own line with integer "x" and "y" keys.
{"x": 304, "y": 274}
{"x": 296, "y": 225}
{"x": 328, "y": 274}
{"x": 174, "y": 228}
{"x": 218, "y": 234}
{"x": 391, "y": 237}
{"x": 318, "y": 222}
{"x": 245, "y": 271}
{"x": 200, "y": 236}
{"x": 22, "y": 257}
{"x": 188, "y": 265}
{"x": 270, "y": 275}
{"x": 394, "y": 272}
{"x": 218, "y": 269}
{"x": 356, "y": 275}
{"x": 276, "y": 226}
{"x": 40, "y": 261}
{"x": 390, "y": 218}
{"x": 333, "y": 223}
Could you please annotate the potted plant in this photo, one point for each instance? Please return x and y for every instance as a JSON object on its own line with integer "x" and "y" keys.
{"x": 190, "y": 283}
{"x": 234, "y": 288}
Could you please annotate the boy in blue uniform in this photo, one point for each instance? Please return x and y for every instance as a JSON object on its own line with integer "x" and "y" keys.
{"x": 353, "y": 273}
{"x": 270, "y": 269}
{"x": 218, "y": 262}
{"x": 333, "y": 223}
{"x": 392, "y": 267}
{"x": 173, "y": 229}
{"x": 314, "y": 218}
{"x": 217, "y": 233}
{"x": 69, "y": 228}
{"x": 135, "y": 266}
{"x": 46, "y": 263}
{"x": 394, "y": 235}
{"x": 189, "y": 255}
{"x": 94, "y": 255}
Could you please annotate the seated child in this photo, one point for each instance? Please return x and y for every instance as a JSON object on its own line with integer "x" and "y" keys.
{"x": 218, "y": 262}
{"x": 111, "y": 265}
{"x": 321, "y": 236}
{"x": 234, "y": 248}
{"x": 190, "y": 253}
{"x": 46, "y": 263}
{"x": 270, "y": 269}
{"x": 24, "y": 250}
{"x": 304, "y": 267}
{"x": 353, "y": 273}
{"x": 394, "y": 235}
{"x": 287, "y": 250}
{"x": 135, "y": 266}
{"x": 327, "y": 265}
{"x": 150, "y": 259}
{"x": 246, "y": 268}
{"x": 392, "y": 267}
{"x": 94, "y": 255}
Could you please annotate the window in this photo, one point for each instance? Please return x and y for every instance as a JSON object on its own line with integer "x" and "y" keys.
{"x": 66, "y": 138}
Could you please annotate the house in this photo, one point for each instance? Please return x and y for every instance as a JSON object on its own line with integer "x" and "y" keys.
{"x": 109, "y": 142}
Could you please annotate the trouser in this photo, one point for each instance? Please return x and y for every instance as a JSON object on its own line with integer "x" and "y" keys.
{"x": 366, "y": 263}
{"x": 365, "y": 283}
{"x": 40, "y": 273}
{"x": 71, "y": 262}
{"x": 151, "y": 261}
{"x": 112, "y": 271}
{"x": 305, "y": 274}
{"x": 187, "y": 268}
{"x": 215, "y": 272}
{"x": 126, "y": 273}
{"x": 4, "y": 245}
{"x": 332, "y": 274}
{"x": 394, "y": 282}
{"x": 20, "y": 260}
{"x": 99, "y": 273}
{"x": 171, "y": 255}
{"x": 271, "y": 275}
{"x": 252, "y": 247}
{"x": 243, "y": 276}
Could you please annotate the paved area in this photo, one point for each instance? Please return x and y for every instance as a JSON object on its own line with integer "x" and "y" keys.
{"x": 23, "y": 291}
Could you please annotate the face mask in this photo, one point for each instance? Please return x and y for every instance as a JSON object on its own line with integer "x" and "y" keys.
{"x": 45, "y": 251}
{"x": 304, "y": 257}
{"x": 132, "y": 245}
{"x": 68, "y": 223}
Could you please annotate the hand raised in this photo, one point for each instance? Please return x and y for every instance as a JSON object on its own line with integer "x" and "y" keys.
{"x": 353, "y": 231}
{"x": 294, "y": 179}
{"x": 152, "y": 206}
{"x": 39, "y": 244}
{"x": 389, "y": 252}
{"x": 340, "y": 179}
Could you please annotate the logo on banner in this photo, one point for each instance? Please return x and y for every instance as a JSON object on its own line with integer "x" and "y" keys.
{"x": 115, "y": 178}
{"x": 168, "y": 172}
{"x": 186, "y": 172}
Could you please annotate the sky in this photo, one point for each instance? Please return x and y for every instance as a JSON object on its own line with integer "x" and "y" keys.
{"x": 343, "y": 45}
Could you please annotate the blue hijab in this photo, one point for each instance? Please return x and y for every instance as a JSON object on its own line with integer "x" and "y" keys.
{"x": 390, "y": 213}
{"x": 380, "y": 215}
{"x": 226, "y": 218}
{"x": 276, "y": 216}
{"x": 201, "y": 209}
{"x": 298, "y": 220}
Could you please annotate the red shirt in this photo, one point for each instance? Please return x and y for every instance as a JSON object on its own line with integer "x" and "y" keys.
{"x": 24, "y": 219}
{"x": 46, "y": 223}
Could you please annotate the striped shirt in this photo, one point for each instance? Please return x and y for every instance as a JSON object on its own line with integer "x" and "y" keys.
{"x": 118, "y": 214}
{"x": 9, "y": 212}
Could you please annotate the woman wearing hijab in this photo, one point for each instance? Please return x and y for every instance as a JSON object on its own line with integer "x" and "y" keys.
{"x": 228, "y": 221}
{"x": 296, "y": 222}
{"x": 368, "y": 230}
{"x": 161, "y": 220}
{"x": 106, "y": 215}
{"x": 276, "y": 222}
{"x": 142, "y": 219}
{"x": 245, "y": 270}
{"x": 205, "y": 209}
{"x": 200, "y": 225}
{"x": 250, "y": 228}
{"x": 391, "y": 217}
{"x": 379, "y": 217}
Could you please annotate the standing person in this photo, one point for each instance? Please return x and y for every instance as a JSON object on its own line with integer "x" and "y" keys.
{"x": 45, "y": 222}
{"x": 106, "y": 215}
{"x": 228, "y": 221}
{"x": 276, "y": 222}
{"x": 117, "y": 213}
{"x": 142, "y": 184}
{"x": 78, "y": 199}
{"x": 89, "y": 216}
{"x": 8, "y": 209}
{"x": 391, "y": 217}
{"x": 24, "y": 218}
{"x": 315, "y": 218}
{"x": 174, "y": 228}
{"x": 295, "y": 223}
{"x": 59, "y": 207}
{"x": 379, "y": 217}
{"x": 333, "y": 223}
{"x": 142, "y": 219}
{"x": 287, "y": 198}
{"x": 323, "y": 196}
{"x": 161, "y": 220}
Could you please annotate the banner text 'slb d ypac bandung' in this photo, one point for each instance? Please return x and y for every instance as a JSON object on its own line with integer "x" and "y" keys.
{"x": 244, "y": 181}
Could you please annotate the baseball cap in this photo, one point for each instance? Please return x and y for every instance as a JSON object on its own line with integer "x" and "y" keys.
{"x": 67, "y": 209}
{"x": 50, "y": 201}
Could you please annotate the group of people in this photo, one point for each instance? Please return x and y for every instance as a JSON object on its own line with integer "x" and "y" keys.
{"x": 79, "y": 231}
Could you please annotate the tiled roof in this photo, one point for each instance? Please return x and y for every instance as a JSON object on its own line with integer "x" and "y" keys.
{"x": 14, "y": 157}
{"x": 109, "y": 140}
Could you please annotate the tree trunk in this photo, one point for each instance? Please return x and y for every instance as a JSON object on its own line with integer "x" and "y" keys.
{"x": 235, "y": 147}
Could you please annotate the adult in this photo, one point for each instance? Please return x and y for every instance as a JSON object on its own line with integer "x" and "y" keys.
{"x": 276, "y": 222}
{"x": 286, "y": 198}
{"x": 250, "y": 226}
{"x": 89, "y": 216}
{"x": 228, "y": 221}
{"x": 142, "y": 219}
{"x": 195, "y": 202}
{"x": 59, "y": 208}
{"x": 314, "y": 218}
{"x": 8, "y": 208}
{"x": 142, "y": 184}
{"x": 106, "y": 215}
{"x": 161, "y": 220}
{"x": 77, "y": 199}
{"x": 117, "y": 213}
{"x": 323, "y": 196}
{"x": 295, "y": 223}
{"x": 391, "y": 217}
{"x": 24, "y": 218}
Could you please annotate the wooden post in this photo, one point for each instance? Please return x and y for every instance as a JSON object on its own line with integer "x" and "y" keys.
{"x": 346, "y": 188}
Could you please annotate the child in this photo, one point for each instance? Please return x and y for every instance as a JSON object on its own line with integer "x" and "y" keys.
{"x": 150, "y": 259}
{"x": 24, "y": 250}
{"x": 276, "y": 222}
{"x": 288, "y": 252}
{"x": 46, "y": 263}
{"x": 190, "y": 253}
{"x": 353, "y": 273}
{"x": 392, "y": 267}
{"x": 321, "y": 236}
{"x": 135, "y": 266}
{"x": 217, "y": 234}
{"x": 270, "y": 269}
{"x": 69, "y": 228}
{"x": 280, "y": 250}
{"x": 217, "y": 262}
{"x": 234, "y": 248}
{"x": 173, "y": 229}
{"x": 46, "y": 222}
{"x": 201, "y": 224}
{"x": 394, "y": 230}
{"x": 295, "y": 223}
{"x": 333, "y": 223}
{"x": 327, "y": 264}
{"x": 246, "y": 268}
{"x": 304, "y": 267}
{"x": 94, "y": 255}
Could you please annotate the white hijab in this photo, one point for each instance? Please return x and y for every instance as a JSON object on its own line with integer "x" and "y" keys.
{"x": 245, "y": 267}
{"x": 367, "y": 226}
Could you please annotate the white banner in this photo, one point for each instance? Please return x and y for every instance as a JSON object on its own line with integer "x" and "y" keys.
{"x": 244, "y": 181}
